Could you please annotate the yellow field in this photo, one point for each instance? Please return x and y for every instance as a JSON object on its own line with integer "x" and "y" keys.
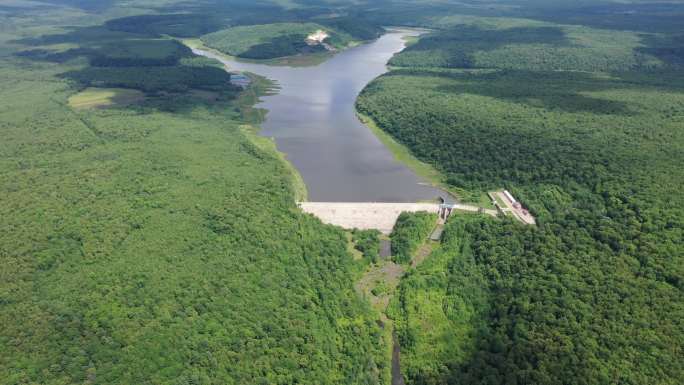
{"x": 105, "y": 97}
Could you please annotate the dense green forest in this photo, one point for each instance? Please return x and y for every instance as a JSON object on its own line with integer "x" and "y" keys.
{"x": 593, "y": 293}
{"x": 537, "y": 46}
{"x": 157, "y": 241}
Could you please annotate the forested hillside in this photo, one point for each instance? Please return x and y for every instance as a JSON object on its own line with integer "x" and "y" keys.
{"x": 264, "y": 41}
{"x": 593, "y": 293}
{"x": 276, "y": 40}
{"x": 148, "y": 236}
{"x": 537, "y": 46}
{"x": 156, "y": 242}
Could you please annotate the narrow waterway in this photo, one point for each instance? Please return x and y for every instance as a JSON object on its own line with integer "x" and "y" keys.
{"x": 313, "y": 121}
{"x": 397, "y": 378}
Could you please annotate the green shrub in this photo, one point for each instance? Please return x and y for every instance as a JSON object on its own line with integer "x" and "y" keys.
{"x": 368, "y": 243}
{"x": 409, "y": 232}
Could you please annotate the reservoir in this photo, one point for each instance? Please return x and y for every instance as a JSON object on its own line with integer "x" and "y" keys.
{"x": 312, "y": 119}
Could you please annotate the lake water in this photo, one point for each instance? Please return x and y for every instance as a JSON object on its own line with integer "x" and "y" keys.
{"x": 313, "y": 121}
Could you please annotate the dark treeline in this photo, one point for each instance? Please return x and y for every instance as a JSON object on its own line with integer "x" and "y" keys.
{"x": 140, "y": 53}
{"x": 170, "y": 79}
{"x": 180, "y": 25}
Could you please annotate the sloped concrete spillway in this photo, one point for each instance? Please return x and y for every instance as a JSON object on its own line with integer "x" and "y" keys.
{"x": 376, "y": 215}
{"x": 313, "y": 121}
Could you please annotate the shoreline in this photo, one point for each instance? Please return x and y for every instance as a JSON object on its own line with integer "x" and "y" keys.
{"x": 254, "y": 116}
{"x": 427, "y": 174}
{"x": 404, "y": 156}
{"x": 434, "y": 177}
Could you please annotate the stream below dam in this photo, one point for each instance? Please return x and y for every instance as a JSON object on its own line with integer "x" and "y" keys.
{"x": 313, "y": 121}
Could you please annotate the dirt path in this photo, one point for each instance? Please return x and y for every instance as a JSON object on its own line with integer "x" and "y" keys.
{"x": 422, "y": 253}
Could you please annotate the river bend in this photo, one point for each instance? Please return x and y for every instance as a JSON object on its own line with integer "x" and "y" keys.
{"x": 312, "y": 119}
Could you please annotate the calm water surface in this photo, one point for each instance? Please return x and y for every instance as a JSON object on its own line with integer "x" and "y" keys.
{"x": 313, "y": 121}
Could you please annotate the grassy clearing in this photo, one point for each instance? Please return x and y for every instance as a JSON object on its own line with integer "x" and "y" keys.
{"x": 378, "y": 283}
{"x": 356, "y": 254}
{"x": 485, "y": 201}
{"x": 497, "y": 197}
{"x": 105, "y": 97}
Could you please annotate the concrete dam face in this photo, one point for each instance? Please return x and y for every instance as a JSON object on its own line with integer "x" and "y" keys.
{"x": 380, "y": 216}
{"x": 375, "y": 215}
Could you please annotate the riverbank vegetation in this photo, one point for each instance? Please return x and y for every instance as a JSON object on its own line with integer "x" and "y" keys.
{"x": 409, "y": 232}
{"x": 368, "y": 243}
{"x": 438, "y": 308}
{"x": 595, "y": 156}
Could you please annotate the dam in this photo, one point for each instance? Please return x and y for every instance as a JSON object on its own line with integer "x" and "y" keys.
{"x": 380, "y": 215}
